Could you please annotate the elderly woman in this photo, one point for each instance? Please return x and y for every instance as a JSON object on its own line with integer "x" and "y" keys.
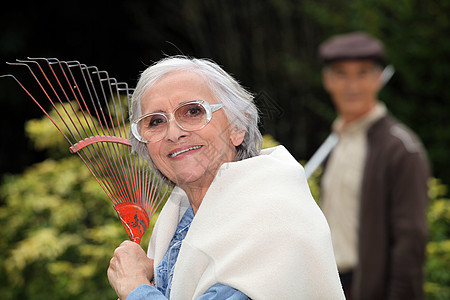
{"x": 241, "y": 223}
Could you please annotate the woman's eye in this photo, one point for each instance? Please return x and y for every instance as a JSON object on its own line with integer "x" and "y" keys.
{"x": 156, "y": 121}
{"x": 194, "y": 111}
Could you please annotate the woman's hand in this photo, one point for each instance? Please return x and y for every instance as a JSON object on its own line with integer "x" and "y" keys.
{"x": 129, "y": 268}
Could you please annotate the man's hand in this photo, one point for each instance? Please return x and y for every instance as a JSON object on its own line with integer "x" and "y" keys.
{"x": 129, "y": 268}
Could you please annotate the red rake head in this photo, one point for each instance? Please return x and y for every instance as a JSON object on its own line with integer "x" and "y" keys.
{"x": 134, "y": 219}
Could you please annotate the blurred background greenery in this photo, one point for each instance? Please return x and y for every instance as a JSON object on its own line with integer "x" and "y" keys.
{"x": 57, "y": 228}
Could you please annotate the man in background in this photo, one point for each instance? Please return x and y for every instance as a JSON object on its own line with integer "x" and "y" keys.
{"x": 374, "y": 185}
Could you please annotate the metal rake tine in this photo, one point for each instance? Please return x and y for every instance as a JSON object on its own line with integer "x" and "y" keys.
{"x": 77, "y": 87}
{"x": 72, "y": 87}
{"x": 73, "y": 62}
{"x": 100, "y": 150}
{"x": 125, "y": 88}
{"x": 116, "y": 153}
{"x": 129, "y": 93}
{"x": 50, "y": 61}
{"x": 112, "y": 84}
{"x": 26, "y": 64}
{"x": 61, "y": 88}
{"x": 110, "y": 166}
{"x": 156, "y": 188}
{"x": 100, "y": 165}
{"x": 35, "y": 101}
{"x": 137, "y": 173}
{"x": 108, "y": 80}
{"x": 97, "y": 96}
{"x": 43, "y": 58}
{"x": 10, "y": 75}
{"x": 89, "y": 85}
{"x": 120, "y": 116}
{"x": 106, "y": 165}
{"x": 63, "y": 120}
{"x": 101, "y": 72}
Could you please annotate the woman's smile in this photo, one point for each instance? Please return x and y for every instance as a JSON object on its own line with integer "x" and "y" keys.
{"x": 178, "y": 152}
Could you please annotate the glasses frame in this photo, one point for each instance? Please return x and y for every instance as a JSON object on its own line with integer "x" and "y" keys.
{"x": 209, "y": 108}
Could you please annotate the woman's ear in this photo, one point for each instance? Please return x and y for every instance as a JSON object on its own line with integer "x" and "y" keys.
{"x": 237, "y": 137}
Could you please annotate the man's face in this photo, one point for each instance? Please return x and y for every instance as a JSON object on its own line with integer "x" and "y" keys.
{"x": 353, "y": 86}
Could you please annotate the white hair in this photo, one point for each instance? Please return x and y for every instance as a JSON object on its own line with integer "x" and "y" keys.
{"x": 238, "y": 103}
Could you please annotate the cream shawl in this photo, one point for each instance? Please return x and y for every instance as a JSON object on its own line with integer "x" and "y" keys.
{"x": 258, "y": 230}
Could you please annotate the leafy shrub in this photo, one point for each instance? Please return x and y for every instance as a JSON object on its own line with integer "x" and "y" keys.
{"x": 437, "y": 285}
{"x": 58, "y": 228}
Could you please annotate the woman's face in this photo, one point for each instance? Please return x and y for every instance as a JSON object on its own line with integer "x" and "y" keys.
{"x": 189, "y": 158}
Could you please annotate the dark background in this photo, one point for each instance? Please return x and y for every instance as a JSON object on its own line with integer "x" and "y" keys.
{"x": 269, "y": 46}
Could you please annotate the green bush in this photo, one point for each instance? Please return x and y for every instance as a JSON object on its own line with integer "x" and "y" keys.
{"x": 58, "y": 228}
{"x": 437, "y": 266}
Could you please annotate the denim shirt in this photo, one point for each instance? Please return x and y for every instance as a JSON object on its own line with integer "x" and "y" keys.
{"x": 165, "y": 270}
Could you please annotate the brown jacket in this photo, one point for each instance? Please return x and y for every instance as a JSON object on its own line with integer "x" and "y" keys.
{"x": 393, "y": 228}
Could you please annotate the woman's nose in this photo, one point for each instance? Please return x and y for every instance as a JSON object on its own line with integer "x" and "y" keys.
{"x": 174, "y": 132}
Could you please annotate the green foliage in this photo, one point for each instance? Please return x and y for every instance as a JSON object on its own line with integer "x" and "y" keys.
{"x": 42, "y": 131}
{"x": 437, "y": 267}
{"x": 58, "y": 230}
{"x": 269, "y": 141}
{"x": 58, "y": 227}
{"x": 314, "y": 183}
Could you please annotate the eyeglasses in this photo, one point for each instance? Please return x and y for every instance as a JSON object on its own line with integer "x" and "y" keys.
{"x": 189, "y": 116}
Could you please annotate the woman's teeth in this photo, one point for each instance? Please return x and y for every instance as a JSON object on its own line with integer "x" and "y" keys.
{"x": 182, "y": 151}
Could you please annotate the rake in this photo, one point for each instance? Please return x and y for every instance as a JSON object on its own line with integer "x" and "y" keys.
{"x": 89, "y": 108}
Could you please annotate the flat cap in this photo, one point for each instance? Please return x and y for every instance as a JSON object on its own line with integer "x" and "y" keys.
{"x": 350, "y": 46}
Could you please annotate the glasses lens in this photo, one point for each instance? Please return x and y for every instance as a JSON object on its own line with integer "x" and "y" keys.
{"x": 191, "y": 116}
{"x": 153, "y": 127}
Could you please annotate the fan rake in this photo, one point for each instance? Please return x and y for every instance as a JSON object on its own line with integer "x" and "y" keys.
{"x": 89, "y": 108}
